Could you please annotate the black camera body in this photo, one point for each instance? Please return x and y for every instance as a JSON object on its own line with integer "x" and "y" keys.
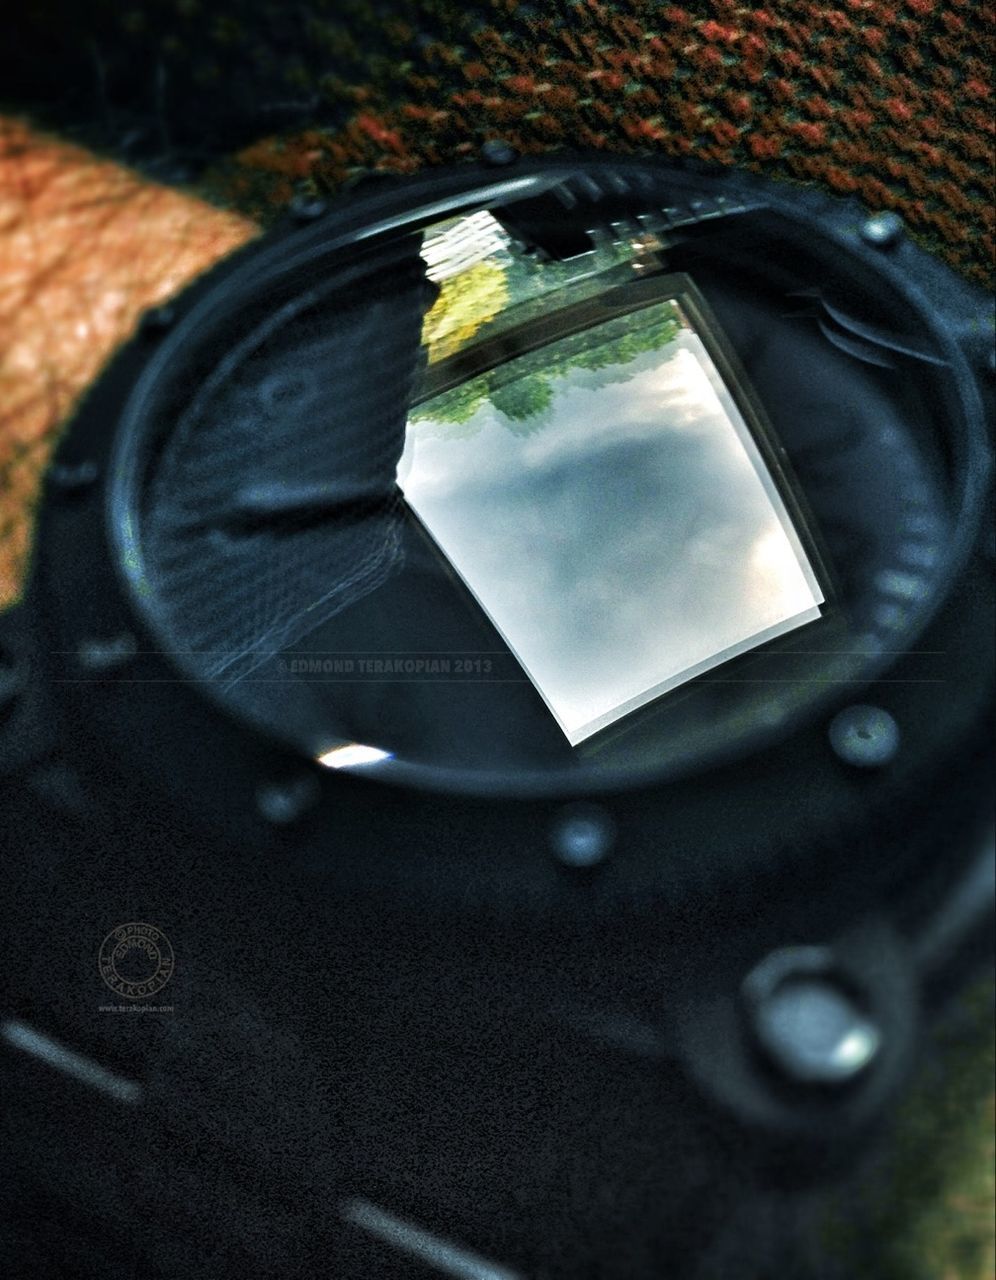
{"x": 627, "y": 1018}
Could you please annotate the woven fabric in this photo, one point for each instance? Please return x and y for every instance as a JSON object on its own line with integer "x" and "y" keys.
{"x": 889, "y": 102}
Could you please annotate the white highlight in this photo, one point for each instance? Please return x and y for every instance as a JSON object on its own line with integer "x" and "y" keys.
{"x": 20, "y": 1036}
{"x": 463, "y": 244}
{"x": 351, "y": 755}
{"x": 451, "y": 1259}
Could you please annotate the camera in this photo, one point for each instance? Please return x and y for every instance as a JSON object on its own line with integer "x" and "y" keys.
{"x": 508, "y": 658}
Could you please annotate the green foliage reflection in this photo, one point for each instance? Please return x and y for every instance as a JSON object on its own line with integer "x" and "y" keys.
{"x": 523, "y": 388}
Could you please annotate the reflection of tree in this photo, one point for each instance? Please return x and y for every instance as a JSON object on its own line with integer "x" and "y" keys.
{"x": 461, "y": 402}
{"x": 523, "y": 399}
{"x": 523, "y": 388}
{"x": 465, "y": 303}
{"x": 451, "y": 414}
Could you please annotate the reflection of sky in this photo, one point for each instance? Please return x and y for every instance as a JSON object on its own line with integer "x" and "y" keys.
{"x": 626, "y": 543}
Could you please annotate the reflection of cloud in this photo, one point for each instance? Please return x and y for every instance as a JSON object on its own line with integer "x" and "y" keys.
{"x": 630, "y": 540}
{"x": 673, "y": 395}
{"x": 774, "y": 572}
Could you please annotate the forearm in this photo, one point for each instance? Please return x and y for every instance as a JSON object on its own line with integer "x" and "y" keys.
{"x": 85, "y": 247}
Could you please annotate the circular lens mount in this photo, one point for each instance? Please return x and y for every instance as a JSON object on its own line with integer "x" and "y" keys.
{"x": 263, "y": 533}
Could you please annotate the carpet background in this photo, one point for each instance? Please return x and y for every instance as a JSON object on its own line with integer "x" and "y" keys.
{"x": 221, "y": 112}
{"x": 889, "y": 100}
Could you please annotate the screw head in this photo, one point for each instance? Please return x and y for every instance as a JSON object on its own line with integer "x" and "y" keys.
{"x": 157, "y": 319}
{"x": 281, "y": 803}
{"x": 864, "y": 736}
{"x": 582, "y": 835}
{"x": 104, "y": 655}
{"x": 307, "y": 208}
{"x": 883, "y": 230}
{"x": 497, "y": 153}
{"x": 814, "y": 1033}
{"x": 72, "y": 477}
{"x": 806, "y": 1022}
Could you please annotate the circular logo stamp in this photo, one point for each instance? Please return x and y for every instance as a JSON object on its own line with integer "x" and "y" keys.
{"x": 136, "y": 960}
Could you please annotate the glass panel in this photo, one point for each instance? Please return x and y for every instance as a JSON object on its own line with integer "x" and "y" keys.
{"x": 487, "y": 287}
{"x": 604, "y": 501}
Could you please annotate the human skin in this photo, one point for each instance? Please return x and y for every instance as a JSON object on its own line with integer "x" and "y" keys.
{"x": 86, "y": 246}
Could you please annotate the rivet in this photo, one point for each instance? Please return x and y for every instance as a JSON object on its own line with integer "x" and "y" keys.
{"x": 157, "y": 319}
{"x": 281, "y": 803}
{"x": 805, "y": 1021}
{"x": 307, "y": 208}
{"x": 72, "y": 477}
{"x": 496, "y": 152}
{"x": 865, "y": 737}
{"x": 883, "y": 230}
{"x": 105, "y": 655}
{"x": 582, "y": 835}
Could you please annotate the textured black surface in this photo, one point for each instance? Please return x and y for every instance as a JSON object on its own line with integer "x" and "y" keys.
{"x": 391, "y": 1021}
{"x": 314, "y": 397}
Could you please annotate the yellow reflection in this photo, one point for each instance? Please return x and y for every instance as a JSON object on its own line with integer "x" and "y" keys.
{"x": 465, "y": 303}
